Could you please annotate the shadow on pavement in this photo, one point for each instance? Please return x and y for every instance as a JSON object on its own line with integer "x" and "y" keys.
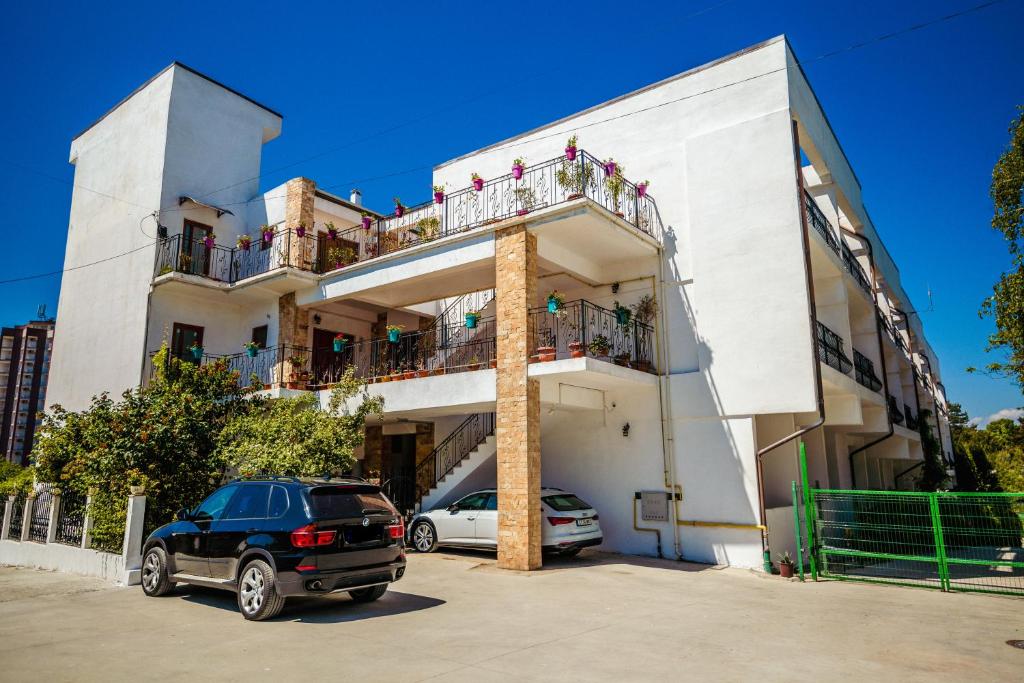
{"x": 587, "y": 558}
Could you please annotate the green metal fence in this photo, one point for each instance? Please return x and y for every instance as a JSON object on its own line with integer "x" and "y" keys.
{"x": 949, "y": 541}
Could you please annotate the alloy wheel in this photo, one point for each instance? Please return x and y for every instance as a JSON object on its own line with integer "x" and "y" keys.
{"x": 252, "y": 590}
{"x": 423, "y": 538}
{"x": 151, "y": 572}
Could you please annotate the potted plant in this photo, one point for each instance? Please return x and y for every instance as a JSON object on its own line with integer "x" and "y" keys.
{"x": 478, "y": 182}
{"x": 300, "y": 231}
{"x": 472, "y": 317}
{"x": 525, "y": 199}
{"x": 641, "y": 188}
{"x": 570, "y": 149}
{"x": 297, "y": 371}
{"x": 244, "y": 242}
{"x": 267, "y": 233}
{"x": 251, "y": 348}
{"x": 366, "y": 220}
{"x": 576, "y": 349}
{"x": 556, "y": 301}
{"x": 439, "y": 194}
{"x": 332, "y": 232}
{"x": 409, "y": 373}
{"x": 384, "y": 378}
{"x": 396, "y": 375}
{"x": 341, "y": 256}
{"x": 575, "y": 179}
{"x": 610, "y": 167}
{"x": 339, "y": 342}
{"x": 645, "y": 309}
{"x": 394, "y": 332}
{"x": 493, "y": 363}
{"x": 622, "y": 314}
{"x": 210, "y": 240}
{"x": 546, "y": 353}
{"x": 439, "y": 370}
{"x": 622, "y": 359}
{"x": 196, "y": 350}
{"x": 786, "y": 565}
{"x": 399, "y": 208}
{"x": 427, "y": 228}
{"x": 599, "y": 345}
{"x": 518, "y": 166}
{"x": 614, "y": 183}
{"x": 422, "y": 371}
{"x": 474, "y": 363}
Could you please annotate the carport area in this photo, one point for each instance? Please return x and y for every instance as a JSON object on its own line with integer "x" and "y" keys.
{"x": 456, "y": 617}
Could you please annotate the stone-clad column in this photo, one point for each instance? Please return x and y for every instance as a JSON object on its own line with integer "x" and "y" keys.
{"x": 298, "y": 210}
{"x": 518, "y": 402}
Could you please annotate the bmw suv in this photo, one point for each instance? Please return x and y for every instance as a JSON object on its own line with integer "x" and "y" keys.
{"x": 268, "y": 539}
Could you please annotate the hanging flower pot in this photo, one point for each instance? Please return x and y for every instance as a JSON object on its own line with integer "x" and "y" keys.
{"x": 570, "y": 149}
{"x": 641, "y": 189}
{"x": 517, "y": 169}
{"x": 394, "y": 331}
{"x": 208, "y": 241}
{"x": 366, "y": 222}
{"x": 244, "y": 242}
{"x": 552, "y": 306}
{"x": 556, "y": 301}
{"x": 251, "y": 349}
{"x": 196, "y": 351}
{"x": 339, "y": 344}
{"x": 471, "y": 320}
{"x": 439, "y": 194}
{"x": 622, "y": 315}
{"x": 610, "y": 167}
{"x": 267, "y": 233}
{"x": 300, "y": 231}
{"x": 399, "y": 209}
{"x": 478, "y": 182}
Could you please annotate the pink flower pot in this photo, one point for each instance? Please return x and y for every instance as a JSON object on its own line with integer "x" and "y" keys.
{"x": 439, "y": 197}
{"x": 208, "y": 241}
{"x": 399, "y": 211}
{"x": 268, "y": 237}
{"x": 366, "y": 222}
{"x": 570, "y": 153}
{"x": 517, "y": 171}
{"x": 333, "y": 234}
{"x": 478, "y": 184}
{"x": 300, "y": 231}
{"x": 609, "y": 168}
{"x": 245, "y": 246}
{"x": 522, "y": 212}
{"x": 641, "y": 190}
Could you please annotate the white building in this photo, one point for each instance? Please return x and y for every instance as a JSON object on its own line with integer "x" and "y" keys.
{"x": 758, "y": 250}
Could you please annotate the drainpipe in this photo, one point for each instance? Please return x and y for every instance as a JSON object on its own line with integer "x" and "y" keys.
{"x": 667, "y": 423}
{"x": 812, "y": 319}
{"x": 881, "y": 354}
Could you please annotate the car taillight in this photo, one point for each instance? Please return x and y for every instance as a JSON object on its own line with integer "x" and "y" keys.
{"x": 305, "y": 567}
{"x": 309, "y": 537}
{"x": 555, "y": 521}
{"x": 397, "y": 530}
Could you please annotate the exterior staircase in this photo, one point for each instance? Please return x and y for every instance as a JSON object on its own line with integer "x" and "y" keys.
{"x": 464, "y": 461}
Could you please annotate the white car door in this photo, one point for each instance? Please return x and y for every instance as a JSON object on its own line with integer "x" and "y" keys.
{"x": 487, "y": 523}
{"x": 458, "y": 523}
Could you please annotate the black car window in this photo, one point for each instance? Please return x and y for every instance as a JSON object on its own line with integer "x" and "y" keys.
{"x": 474, "y": 501}
{"x": 212, "y": 507}
{"x": 333, "y": 502}
{"x": 492, "y": 502}
{"x": 249, "y": 503}
{"x": 278, "y": 502}
{"x": 565, "y": 502}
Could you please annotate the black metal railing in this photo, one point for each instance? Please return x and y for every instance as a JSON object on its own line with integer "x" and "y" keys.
{"x": 830, "y": 350}
{"x": 230, "y": 264}
{"x": 71, "y": 518}
{"x": 894, "y": 411}
{"x": 581, "y": 328}
{"x": 820, "y": 223}
{"x": 910, "y": 418}
{"x": 17, "y": 517}
{"x": 39, "y": 524}
{"x": 455, "y": 448}
{"x": 864, "y": 371}
{"x": 855, "y": 269}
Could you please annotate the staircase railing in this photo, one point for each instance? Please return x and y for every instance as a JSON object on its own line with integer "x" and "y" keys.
{"x": 455, "y": 448}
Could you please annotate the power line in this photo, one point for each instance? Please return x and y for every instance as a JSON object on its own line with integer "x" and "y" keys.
{"x": 68, "y": 270}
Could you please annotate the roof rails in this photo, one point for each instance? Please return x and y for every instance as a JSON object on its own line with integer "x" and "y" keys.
{"x": 268, "y": 477}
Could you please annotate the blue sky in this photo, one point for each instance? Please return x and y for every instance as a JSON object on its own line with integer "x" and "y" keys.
{"x": 922, "y": 117}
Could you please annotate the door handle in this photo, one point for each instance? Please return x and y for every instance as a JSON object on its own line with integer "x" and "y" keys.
{"x": 251, "y": 531}
{"x": 470, "y": 519}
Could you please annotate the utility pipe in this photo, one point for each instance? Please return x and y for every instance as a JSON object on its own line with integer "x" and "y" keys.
{"x": 881, "y": 354}
{"x": 811, "y": 321}
{"x": 656, "y": 531}
{"x": 724, "y": 525}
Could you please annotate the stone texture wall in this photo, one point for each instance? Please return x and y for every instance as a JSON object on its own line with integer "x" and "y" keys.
{"x": 373, "y": 449}
{"x": 424, "y": 447}
{"x": 293, "y": 331}
{"x": 298, "y": 210}
{"x": 518, "y": 403}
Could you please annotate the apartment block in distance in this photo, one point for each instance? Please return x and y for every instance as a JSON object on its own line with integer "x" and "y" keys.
{"x": 24, "y": 372}
{"x": 777, "y": 306}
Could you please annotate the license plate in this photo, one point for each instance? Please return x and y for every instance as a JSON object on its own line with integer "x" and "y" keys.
{"x": 587, "y": 521}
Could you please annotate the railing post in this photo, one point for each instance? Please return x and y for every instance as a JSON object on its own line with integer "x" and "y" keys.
{"x": 940, "y": 543}
{"x": 51, "y": 529}
{"x": 87, "y": 521}
{"x": 131, "y": 549}
{"x": 26, "y": 517}
{"x": 5, "y": 529}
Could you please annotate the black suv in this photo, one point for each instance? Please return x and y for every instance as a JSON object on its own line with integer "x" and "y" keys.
{"x": 267, "y": 539}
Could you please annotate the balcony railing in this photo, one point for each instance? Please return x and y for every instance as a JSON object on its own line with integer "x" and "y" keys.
{"x": 830, "y": 350}
{"x": 910, "y": 418}
{"x": 894, "y": 411}
{"x": 864, "y": 371}
{"x": 581, "y": 328}
{"x": 820, "y": 223}
{"x": 550, "y": 183}
{"x": 855, "y": 269}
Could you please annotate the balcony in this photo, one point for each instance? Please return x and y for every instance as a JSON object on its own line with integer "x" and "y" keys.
{"x": 821, "y": 224}
{"x": 911, "y": 419}
{"x": 894, "y": 411}
{"x": 830, "y": 350}
{"x": 864, "y": 372}
{"x": 551, "y": 183}
{"x": 581, "y": 328}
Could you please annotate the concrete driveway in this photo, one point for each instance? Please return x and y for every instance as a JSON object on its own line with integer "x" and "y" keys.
{"x": 458, "y": 618}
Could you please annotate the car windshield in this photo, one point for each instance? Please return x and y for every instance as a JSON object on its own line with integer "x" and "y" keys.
{"x": 565, "y": 502}
{"x": 331, "y": 502}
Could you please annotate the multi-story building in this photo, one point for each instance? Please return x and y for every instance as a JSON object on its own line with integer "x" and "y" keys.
{"x": 779, "y": 315}
{"x": 24, "y": 371}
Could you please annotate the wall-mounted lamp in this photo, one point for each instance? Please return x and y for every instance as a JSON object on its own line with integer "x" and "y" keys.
{"x": 161, "y": 231}
{"x": 625, "y": 430}
{"x": 615, "y": 288}
{"x": 316, "y": 318}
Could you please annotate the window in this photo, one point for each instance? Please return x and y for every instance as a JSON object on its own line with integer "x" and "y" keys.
{"x": 182, "y": 337}
{"x": 259, "y": 335}
{"x": 278, "y": 502}
{"x": 249, "y": 503}
{"x": 212, "y": 507}
{"x": 475, "y": 501}
{"x": 565, "y": 502}
{"x": 333, "y": 502}
{"x": 492, "y": 502}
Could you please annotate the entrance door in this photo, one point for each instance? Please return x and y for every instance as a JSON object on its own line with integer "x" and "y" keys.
{"x": 487, "y": 522}
{"x": 398, "y": 470}
{"x": 195, "y": 255}
{"x": 182, "y": 338}
{"x": 328, "y": 365}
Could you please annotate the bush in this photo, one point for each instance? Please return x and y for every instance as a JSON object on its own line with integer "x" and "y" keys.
{"x": 15, "y": 479}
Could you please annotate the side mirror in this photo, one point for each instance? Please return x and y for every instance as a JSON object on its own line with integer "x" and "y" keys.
{"x": 453, "y": 508}
{"x": 182, "y": 515}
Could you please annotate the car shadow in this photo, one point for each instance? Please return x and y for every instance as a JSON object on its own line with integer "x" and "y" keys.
{"x": 587, "y": 558}
{"x": 328, "y": 609}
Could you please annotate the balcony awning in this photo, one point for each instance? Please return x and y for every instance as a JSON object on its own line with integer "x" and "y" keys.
{"x": 220, "y": 212}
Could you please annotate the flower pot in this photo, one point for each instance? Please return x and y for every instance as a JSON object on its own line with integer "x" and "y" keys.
{"x": 570, "y": 153}
{"x": 622, "y": 360}
{"x": 553, "y": 306}
{"x": 546, "y": 353}
{"x": 643, "y": 365}
{"x": 601, "y": 352}
{"x": 137, "y": 490}
{"x": 208, "y": 241}
{"x": 439, "y": 370}
{"x": 409, "y": 374}
{"x": 576, "y": 350}
{"x": 393, "y": 336}
{"x": 244, "y": 246}
{"x": 574, "y": 195}
{"x": 786, "y": 570}
{"x": 522, "y": 212}
{"x": 517, "y": 171}
{"x": 332, "y": 234}
{"x": 366, "y": 222}
{"x": 439, "y": 197}
{"x": 471, "y": 320}
{"x": 399, "y": 211}
{"x": 396, "y": 376}
{"x": 251, "y": 351}
{"x": 622, "y": 317}
{"x": 478, "y": 184}
{"x": 473, "y": 366}
{"x": 533, "y": 359}
{"x": 268, "y": 237}
{"x": 339, "y": 345}
{"x": 337, "y": 265}
{"x": 300, "y": 231}
{"x": 423, "y": 373}
{"x": 292, "y": 385}
{"x": 197, "y": 352}
{"x": 609, "y": 168}
{"x": 384, "y": 378}
{"x": 641, "y": 189}
{"x": 493, "y": 363}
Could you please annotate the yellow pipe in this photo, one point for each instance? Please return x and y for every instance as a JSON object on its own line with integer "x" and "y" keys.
{"x": 727, "y": 525}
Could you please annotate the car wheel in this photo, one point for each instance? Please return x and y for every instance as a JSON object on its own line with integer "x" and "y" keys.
{"x": 369, "y": 594}
{"x": 258, "y": 598}
{"x": 572, "y": 552}
{"x": 424, "y": 537}
{"x": 154, "y": 573}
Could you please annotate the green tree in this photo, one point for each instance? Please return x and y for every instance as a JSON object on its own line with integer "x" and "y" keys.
{"x": 933, "y": 472}
{"x": 989, "y": 459}
{"x": 1006, "y": 305}
{"x": 294, "y": 436}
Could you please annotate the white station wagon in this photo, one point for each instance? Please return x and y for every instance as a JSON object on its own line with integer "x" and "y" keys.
{"x": 568, "y": 524}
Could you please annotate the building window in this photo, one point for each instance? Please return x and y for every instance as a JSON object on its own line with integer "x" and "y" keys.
{"x": 182, "y": 338}
{"x": 259, "y": 335}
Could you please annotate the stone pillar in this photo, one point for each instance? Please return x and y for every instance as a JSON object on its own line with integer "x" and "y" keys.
{"x": 518, "y": 402}
{"x": 5, "y": 528}
{"x": 131, "y": 550}
{"x": 51, "y": 528}
{"x": 292, "y": 335}
{"x": 87, "y": 522}
{"x": 424, "y": 447}
{"x": 26, "y": 517}
{"x": 298, "y": 210}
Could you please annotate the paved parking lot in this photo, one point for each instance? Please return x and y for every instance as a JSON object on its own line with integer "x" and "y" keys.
{"x": 456, "y": 617}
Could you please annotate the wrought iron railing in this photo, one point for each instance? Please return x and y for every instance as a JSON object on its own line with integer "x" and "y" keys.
{"x": 17, "y": 517}
{"x": 910, "y": 418}
{"x": 864, "y": 371}
{"x": 39, "y": 524}
{"x": 455, "y": 448}
{"x": 820, "y": 223}
{"x": 894, "y": 410}
{"x": 231, "y": 264}
{"x": 266, "y": 367}
{"x": 830, "y": 350}
{"x": 71, "y": 518}
{"x": 581, "y": 328}
{"x": 855, "y": 269}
